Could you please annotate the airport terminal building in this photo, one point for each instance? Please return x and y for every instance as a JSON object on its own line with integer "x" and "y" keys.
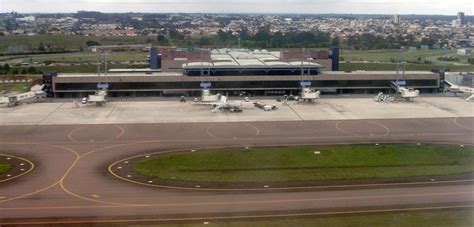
{"x": 160, "y": 84}
{"x": 232, "y": 73}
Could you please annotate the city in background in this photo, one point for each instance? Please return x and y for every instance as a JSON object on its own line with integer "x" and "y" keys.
{"x": 62, "y": 42}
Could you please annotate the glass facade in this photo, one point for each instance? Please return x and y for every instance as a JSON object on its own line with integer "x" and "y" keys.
{"x": 262, "y": 85}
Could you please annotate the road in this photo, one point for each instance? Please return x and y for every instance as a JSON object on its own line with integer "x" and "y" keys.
{"x": 70, "y": 179}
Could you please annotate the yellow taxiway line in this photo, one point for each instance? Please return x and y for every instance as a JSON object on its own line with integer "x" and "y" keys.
{"x": 32, "y": 166}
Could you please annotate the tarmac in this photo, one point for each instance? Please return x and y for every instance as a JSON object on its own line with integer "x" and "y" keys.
{"x": 60, "y": 113}
{"x": 72, "y": 148}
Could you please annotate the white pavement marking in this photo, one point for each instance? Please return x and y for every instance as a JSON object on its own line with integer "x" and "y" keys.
{"x": 455, "y": 120}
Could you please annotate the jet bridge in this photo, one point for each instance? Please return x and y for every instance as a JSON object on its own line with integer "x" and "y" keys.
{"x": 405, "y": 93}
{"x": 98, "y": 98}
{"x": 34, "y": 94}
{"x": 309, "y": 94}
{"x": 208, "y": 97}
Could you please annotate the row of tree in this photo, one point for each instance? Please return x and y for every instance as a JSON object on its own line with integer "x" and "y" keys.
{"x": 262, "y": 39}
{"x": 296, "y": 39}
{"x": 371, "y": 42}
{"x": 7, "y": 69}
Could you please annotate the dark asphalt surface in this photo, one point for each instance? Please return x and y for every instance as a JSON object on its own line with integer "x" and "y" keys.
{"x": 71, "y": 178}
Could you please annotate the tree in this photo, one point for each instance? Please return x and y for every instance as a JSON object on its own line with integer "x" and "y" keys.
{"x": 244, "y": 33}
{"x": 204, "y": 41}
{"x": 9, "y": 26}
{"x": 369, "y": 41}
{"x": 41, "y": 47}
{"x": 92, "y": 43}
{"x": 176, "y": 35}
{"x": 31, "y": 70}
{"x": 335, "y": 41}
{"x": 15, "y": 71}
{"x": 6, "y": 67}
{"x": 162, "y": 40}
{"x": 428, "y": 41}
{"x": 278, "y": 40}
{"x": 23, "y": 71}
{"x": 263, "y": 34}
{"x": 221, "y": 35}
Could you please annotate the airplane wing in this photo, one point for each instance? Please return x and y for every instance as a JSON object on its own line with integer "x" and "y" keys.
{"x": 207, "y": 103}
{"x": 470, "y": 98}
{"x": 217, "y": 108}
{"x": 235, "y": 103}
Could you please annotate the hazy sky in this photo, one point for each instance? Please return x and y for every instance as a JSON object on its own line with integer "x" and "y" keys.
{"x": 445, "y": 7}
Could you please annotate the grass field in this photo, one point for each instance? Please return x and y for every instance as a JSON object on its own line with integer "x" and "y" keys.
{"x": 393, "y": 67}
{"x": 84, "y": 68}
{"x": 80, "y": 57}
{"x": 301, "y": 164}
{"x": 456, "y": 218}
{"x": 14, "y": 87}
{"x": 387, "y": 55}
{"x": 4, "y": 166}
{"x": 69, "y": 42}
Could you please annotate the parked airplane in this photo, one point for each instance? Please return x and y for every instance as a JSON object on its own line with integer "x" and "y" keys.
{"x": 309, "y": 95}
{"x": 223, "y": 104}
{"x": 461, "y": 89}
{"x": 406, "y": 93}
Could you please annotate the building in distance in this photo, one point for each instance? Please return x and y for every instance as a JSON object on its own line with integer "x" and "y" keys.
{"x": 396, "y": 19}
{"x": 461, "y": 18}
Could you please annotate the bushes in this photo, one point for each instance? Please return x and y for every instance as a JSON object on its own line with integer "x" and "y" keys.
{"x": 31, "y": 70}
{"x": 6, "y": 69}
{"x": 450, "y": 58}
{"x": 92, "y": 43}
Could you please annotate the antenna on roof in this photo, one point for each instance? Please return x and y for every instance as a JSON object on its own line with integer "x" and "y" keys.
{"x": 202, "y": 70}
{"x": 305, "y": 81}
{"x": 302, "y": 64}
{"x": 401, "y": 60}
{"x": 102, "y": 56}
{"x": 98, "y": 63}
{"x": 205, "y": 83}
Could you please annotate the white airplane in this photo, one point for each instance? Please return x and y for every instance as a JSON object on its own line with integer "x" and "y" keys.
{"x": 310, "y": 95}
{"x": 223, "y": 104}
{"x": 461, "y": 89}
{"x": 406, "y": 93}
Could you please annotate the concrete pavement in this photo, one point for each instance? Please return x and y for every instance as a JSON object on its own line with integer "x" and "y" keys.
{"x": 71, "y": 178}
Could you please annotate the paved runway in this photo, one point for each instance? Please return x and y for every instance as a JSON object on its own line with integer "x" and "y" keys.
{"x": 71, "y": 180}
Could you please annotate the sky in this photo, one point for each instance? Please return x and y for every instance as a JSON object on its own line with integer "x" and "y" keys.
{"x": 430, "y": 7}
